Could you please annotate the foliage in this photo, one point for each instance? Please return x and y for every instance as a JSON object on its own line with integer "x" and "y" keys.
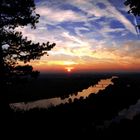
{"x": 16, "y": 50}
{"x": 134, "y": 6}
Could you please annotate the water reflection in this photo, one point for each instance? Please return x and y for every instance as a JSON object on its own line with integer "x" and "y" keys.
{"x": 46, "y": 103}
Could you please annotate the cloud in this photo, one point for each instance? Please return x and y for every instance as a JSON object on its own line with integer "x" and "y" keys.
{"x": 64, "y": 63}
{"x": 79, "y": 29}
{"x": 81, "y": 49}
{"x": 110, "y": 12}
{"x": 126, "y": 53}
{"x": 128, "y": 25}
{"x": 92, "y": 42}
{"x": 108, "y": 29}
{"x": 59, "y": 15}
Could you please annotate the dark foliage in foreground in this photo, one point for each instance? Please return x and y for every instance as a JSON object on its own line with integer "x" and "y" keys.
{"x": 16, "y": 50}
{"x": 134, "y": 6}
{"x": 85, "y": 118}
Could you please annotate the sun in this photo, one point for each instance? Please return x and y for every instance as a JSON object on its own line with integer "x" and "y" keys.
{"x": 69, "y": 69}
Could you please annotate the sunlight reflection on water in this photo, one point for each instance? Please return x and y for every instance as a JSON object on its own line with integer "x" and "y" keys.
{"x": 47, "y": 103}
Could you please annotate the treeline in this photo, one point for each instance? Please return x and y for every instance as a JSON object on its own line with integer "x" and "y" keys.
{"x": 50, "y": 86}
{"x": 85, "y": 117}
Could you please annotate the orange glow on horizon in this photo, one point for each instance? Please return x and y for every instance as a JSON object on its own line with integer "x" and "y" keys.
{"x": 94, "y": 66}
{"x": 69, "y": 69}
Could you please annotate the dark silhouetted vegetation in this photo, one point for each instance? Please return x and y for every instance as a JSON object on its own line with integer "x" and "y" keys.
{"x": 85, "y": 118}
{"x": 134, "y": 8}
{"x": 15, "y": 48}
{"x": 53, "y": 85}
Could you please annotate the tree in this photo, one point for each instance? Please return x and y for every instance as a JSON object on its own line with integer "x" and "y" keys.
{"x": 134, "y": 8}
{"x": 14, "y": 48}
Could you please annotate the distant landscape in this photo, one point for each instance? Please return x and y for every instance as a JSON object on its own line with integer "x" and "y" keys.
{"x": 98, "y": 114}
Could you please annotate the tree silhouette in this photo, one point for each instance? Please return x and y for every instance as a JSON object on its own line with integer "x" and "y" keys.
{"x": 134, "y": 8}
{"x": 14, "y": 48}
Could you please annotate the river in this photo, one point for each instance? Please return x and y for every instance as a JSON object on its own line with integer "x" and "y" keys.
{"x": 47, "y": 103}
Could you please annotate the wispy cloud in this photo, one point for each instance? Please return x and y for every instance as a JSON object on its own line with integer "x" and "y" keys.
{"x": 120, "y": 17}
{"x": 58, "y": 15}
{"x": 109, "y": 11}
{"x": 84, "y": 34}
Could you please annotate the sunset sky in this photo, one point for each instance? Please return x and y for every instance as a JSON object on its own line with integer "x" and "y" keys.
{"x": 90, "y": 35}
